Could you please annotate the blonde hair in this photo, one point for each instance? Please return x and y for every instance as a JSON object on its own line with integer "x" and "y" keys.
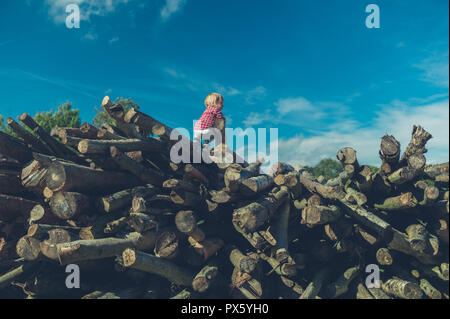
{"x": 213, "y": 99}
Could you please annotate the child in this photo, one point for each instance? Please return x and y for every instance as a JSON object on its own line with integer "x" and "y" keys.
{"x": 214, "y": 106}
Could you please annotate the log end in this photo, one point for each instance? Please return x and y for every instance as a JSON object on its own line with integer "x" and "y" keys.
{"x": 129, "y": 257}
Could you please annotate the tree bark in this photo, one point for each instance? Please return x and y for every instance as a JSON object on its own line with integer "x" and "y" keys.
{"x": 251, "y": 217}
{"x": 62, "y": 176}
{"x": 312, "y": 290}
{"x": 340, "y": 286}
{"x": 128, "y": 145}
{"x": 419, "y": 137}
{"x": 14, "y": 148}
{"x": 57, "y": 148}
{"x": 400, "y": 202}
{"x": 319, "y": 215}
{"x": 12, "y": 207}
{"x": 147, "y": 175}
{"x": 164, "y": 268}
{"x": 187, "y": 224}
{"x": 30, "y": 139}
{"x": 402, "y": 289}
{"x": 184, "y": 198}
{"x": 79, "y": 250}
{"x": 205, "y": 278}
{"x": 69, "y": 205}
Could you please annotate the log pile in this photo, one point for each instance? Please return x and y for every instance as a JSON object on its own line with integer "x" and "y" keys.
{"x": 137, "y": 225}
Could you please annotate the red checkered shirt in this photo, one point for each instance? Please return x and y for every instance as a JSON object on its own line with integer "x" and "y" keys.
{"x": 207, "y": 119}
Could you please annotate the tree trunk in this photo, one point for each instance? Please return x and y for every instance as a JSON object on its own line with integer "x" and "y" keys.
{"x": 205, "y": 278}
{"x": 14, "y": 148}
{"x": 419, "y": 137}
{"x": 403, "y": 201}
{"x": 57, "y": 148}
{"x": 312, "y": 290}
{"x": 402, "y": 289}
{"x": 187, "y": 224}
{"x": 128, "y": 145}
{"x": 254, "y": 185}
{"x": 79, "y": 250}
{"x": 164, "y": 268}
{"x": 251, "y": 217}
{"x": 62, "y": 176}
{"x": 184, "y": 198}
{"x": 340, "y": 286}
{"x": 69, "y": 205}
{"x": 12, "y": 207}
{"x": 147, "y": 175}
{"x": 30, "y": 139}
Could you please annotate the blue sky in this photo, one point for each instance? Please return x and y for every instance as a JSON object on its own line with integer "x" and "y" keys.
{"x": 310, "y": 68}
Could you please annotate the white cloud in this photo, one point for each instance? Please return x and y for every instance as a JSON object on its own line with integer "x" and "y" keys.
{"x": 171, "y": 7}
{"x": 435, "y": 69}
{"x": 115, "y": 39}
{"x": 88, "y": 8}
{"x": 91, "y": 35}
{"x": 300, "y": 112}
{"x": 396, "y": 119}
{"x": 256, "y": 94}
{"x": 289, "y": 105}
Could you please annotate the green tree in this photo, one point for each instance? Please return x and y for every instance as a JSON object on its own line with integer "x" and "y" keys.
{"x": 327, "y": 167}
{"x": 63, "y": 117}
{"x": 102, "y": 117}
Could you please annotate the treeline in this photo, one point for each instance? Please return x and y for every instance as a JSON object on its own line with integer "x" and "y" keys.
{"x": 65, "y": 116}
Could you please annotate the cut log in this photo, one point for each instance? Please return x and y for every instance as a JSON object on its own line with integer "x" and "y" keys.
{"x": 29, "y": 248}
{"x": 57, "y": 148}
{"x": 389, "y": 150}
{"x": 187, "y": 224}
{"x": 14, "y": 148}
{"x": 251, "y": 217}
{"x": 164, "y": 268}
{"x": 402, "y": 289}
{"x": 247, "y": 286}
{"x": 384, "y": 257}
{"x": 167, "y": 245}
{"x": 419, "y": 137}
{"x": 178, "y": 184}
{"x": 429, "y": 290}
{"x": 340, "y": 286}
{"x": 12, "y": 207}
{"x": 403, "y": 175}
{"x": 434, "y": 170}
{"x": 62, "y": 176}
{"x": 400, "y": 202}
{"x": 319, "y": 215}
{"x": 23, "y": 270}
{"x": 28, "y": 138}
{"x": 142, "y": 222}
{"x": 417, "y": 237}
{"x": 254, "y": 185}
{"x": 314, "y": 287}
{"x": 147, "y": 175}
{"x": 242, "y": 262}
{"x": 184, "y": 198}
{"x": 129, "y": 145}
{"x": 347, "y": 156}
{"x": 115, "y": 201}
{"x": 367, "y": 218}
{"x": 205, "y": 278}
{"x": 116, "y": 112}
{"x": 79, "y": 250}
{"x": 68, "y": 205}
{"x": 199, "y": 252}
